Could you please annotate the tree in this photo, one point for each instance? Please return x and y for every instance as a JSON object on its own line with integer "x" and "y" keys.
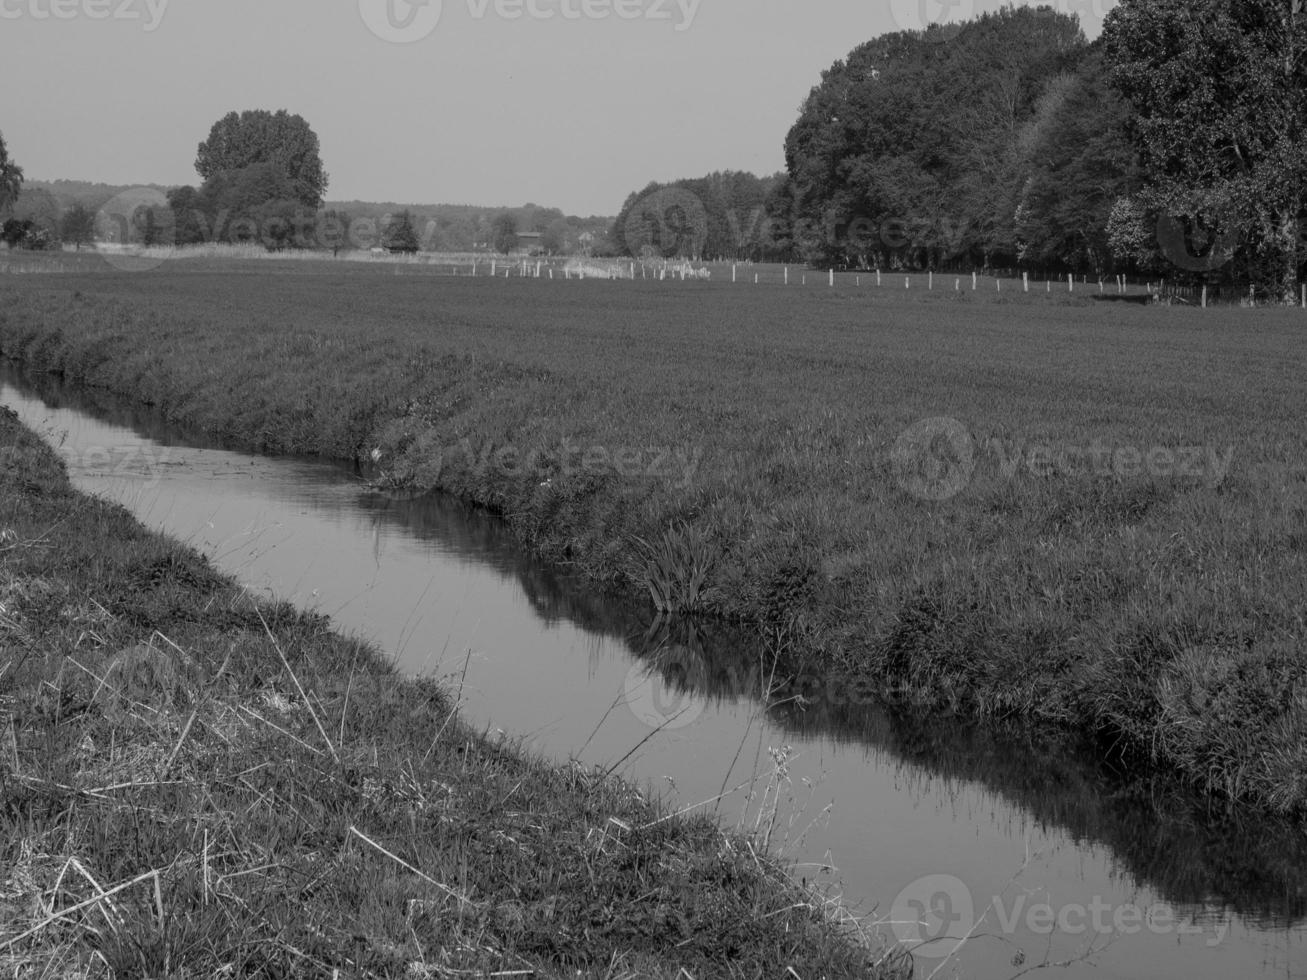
{"x": 909, "y": 151}
{"x": 14, "y": 231}
{"x": 1218, "y": 90}
{"x": 280, "y": 140}
{"x": 504, "y": 232}
{"x": 555, "y": 237}
{"x": 400, "y": 235}
{"x": 11, "y": 178}
{"x": 78, "y": 225}
{"x": 333, "y": 231}
{"x": 41, "y": 208}
{"x": 1079, "y": 163}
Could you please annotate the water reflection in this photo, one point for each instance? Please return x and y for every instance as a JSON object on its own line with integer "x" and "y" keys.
{"x": 1125, "y": 829}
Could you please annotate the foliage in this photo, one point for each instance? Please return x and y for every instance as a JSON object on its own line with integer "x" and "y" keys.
{"x": 400, "y": 235}
{"x": 910, "y": 151}
{"x": 1218, "y": 91}
{"x": 15, "y": 230}
{"x": 1079, "y": 163}
{"x": 284, "y": 143}
{"x": 78, "y": 225}
{"x": 677, "y": 567}
{"x": 11, "y": 178}
{"x": 720, "y": 216}
{"x": 504, "y": 232}
{"x": 28, "y": 234}
{"x": 255, "y": 204}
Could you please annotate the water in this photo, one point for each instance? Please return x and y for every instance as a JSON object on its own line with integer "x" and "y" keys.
{"x": 1025, "y": 844}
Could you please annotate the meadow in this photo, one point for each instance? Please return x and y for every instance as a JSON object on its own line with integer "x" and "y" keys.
{"x": 1040, "y": 507}
{"x": 198, "y": 784}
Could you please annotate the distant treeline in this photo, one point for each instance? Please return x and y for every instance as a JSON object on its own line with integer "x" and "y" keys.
{"x": 1172, "y": 146}
{"x": 246, "y": 210}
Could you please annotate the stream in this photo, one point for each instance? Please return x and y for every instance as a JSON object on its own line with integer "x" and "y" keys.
{"x": 1030, "y": 847}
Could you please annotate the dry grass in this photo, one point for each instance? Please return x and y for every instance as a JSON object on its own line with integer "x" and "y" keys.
{"x": 195, "y": 785}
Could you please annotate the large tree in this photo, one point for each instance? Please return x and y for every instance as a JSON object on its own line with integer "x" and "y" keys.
{"x": 910, "y": 150}
{"x": 286, "y": 142}
{"x": 1218, "y": 90}
{"x": 11, "y": 178}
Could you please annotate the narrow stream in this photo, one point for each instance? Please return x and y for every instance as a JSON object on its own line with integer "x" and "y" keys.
{"x": 1028, "y": 845}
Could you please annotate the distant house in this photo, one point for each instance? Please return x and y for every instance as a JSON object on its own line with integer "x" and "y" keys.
{"x": 530, "y": 242}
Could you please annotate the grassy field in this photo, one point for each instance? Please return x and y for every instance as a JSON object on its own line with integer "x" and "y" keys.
{"x": 193, "y": 785}
{"x": 1041, "y": 507}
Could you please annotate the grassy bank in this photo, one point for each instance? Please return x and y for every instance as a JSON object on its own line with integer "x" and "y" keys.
{"x": 193, "y": 785}
{"x": 1105, "y": 532}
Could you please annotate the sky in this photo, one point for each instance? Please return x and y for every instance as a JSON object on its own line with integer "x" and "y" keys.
{"x": 564, "y": 103}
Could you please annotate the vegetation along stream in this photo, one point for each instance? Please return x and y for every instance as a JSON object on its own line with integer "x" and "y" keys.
{"x": 996, "y": 851}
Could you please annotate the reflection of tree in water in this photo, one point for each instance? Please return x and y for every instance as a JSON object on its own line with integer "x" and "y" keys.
{"x": 1189, "y": 848}
{"x": 1192, "y": 850}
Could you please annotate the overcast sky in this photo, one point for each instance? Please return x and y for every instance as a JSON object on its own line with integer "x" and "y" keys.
{"x": 566, "y": 103}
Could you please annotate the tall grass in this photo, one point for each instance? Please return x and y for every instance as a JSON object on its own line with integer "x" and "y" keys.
{"x": 1098, "y": 601}
{"x": 193, "y": 784}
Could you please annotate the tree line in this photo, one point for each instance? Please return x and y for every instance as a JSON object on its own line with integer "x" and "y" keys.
{"x": 1174, "y": 145}
{"x": 264, "y": 183}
